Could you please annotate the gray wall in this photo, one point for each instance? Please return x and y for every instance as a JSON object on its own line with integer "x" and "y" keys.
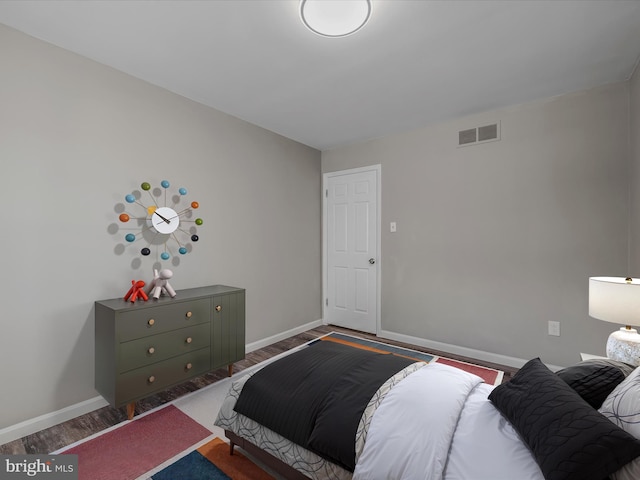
{"x": 496, "y": 239}
{"x": 634, "y": 142}
{"x": 75, "y": 137}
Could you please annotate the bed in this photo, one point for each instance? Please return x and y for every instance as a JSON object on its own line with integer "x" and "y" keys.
{"x": 328, "y": 411}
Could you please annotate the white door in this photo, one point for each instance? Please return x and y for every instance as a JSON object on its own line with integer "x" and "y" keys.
{"x": 351, "y": 227}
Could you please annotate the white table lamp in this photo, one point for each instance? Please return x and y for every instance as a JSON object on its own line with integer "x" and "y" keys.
{"x": 617, "y": 300}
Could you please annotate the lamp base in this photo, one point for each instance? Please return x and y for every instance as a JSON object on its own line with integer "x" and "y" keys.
{"x": 624, "y": 345}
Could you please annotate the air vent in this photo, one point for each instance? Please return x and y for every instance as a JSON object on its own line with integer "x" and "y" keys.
{"x": 473, "y": 136}
{"x": 488, "y": 132}
{"x": 466, "y": 137}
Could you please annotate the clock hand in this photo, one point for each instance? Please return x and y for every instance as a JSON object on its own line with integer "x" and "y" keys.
{"x": 165, "y": 220}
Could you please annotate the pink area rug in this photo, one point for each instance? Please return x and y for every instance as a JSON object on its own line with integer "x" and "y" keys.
{"x": 489, "y": 375}
{"x": 128, "y": 451}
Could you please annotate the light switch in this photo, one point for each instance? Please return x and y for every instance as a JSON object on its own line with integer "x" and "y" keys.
{"x": 392, "y": 227}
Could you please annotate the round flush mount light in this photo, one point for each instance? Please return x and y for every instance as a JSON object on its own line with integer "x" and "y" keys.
{"x": 335, "y": 18}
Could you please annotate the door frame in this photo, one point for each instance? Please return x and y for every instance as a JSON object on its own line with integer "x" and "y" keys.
{"x": 325, "y": 257}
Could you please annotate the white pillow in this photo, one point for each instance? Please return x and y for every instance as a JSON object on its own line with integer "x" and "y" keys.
{"x": 622, "y": 407}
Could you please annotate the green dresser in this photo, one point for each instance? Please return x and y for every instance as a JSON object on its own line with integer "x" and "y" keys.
{"x": 145, "y": 347}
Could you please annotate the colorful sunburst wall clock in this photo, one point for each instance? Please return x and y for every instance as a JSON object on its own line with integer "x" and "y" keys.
{"x": 159, "y": 223}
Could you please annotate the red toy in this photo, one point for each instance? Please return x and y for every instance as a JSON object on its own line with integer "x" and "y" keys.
{"x": 136, "y": 290}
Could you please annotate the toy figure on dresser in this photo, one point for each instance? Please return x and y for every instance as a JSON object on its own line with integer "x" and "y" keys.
{"x": 136, "y": 290}
{"x": 160, "y": 284}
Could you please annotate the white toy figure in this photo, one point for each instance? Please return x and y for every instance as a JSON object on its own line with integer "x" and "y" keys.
{"x": 160, "y": 284}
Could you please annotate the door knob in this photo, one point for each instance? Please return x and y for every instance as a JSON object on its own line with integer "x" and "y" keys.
{"x": 372, "y": 261}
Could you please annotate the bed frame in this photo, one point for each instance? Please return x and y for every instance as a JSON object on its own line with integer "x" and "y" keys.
{"x": 275, "y": 464}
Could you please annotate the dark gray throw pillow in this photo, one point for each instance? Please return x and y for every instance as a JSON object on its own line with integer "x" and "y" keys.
{"x": 569, "y": 439}
{"x": 595, "y": 379}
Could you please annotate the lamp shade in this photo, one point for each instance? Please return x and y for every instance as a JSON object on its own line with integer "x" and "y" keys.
{"x": 615, "y": 300}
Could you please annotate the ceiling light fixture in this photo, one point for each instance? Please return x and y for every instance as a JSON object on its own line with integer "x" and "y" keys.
{"x": 335, "y": 18}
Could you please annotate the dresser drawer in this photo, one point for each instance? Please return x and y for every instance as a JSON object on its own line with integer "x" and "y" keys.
{"x": 147, "y": 380}
{"x": 155, "y": 348}
{"x": 162, "y": 318}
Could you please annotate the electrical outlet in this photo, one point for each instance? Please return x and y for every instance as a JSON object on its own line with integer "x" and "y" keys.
{"x": 554, "y": 328}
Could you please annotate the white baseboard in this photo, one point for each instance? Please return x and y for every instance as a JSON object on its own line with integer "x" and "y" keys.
{"x": 33, "y": 425}
{"x": 47, "y": 420}
{"x": 281, "y": 336}
{"x": 457, "y": 350}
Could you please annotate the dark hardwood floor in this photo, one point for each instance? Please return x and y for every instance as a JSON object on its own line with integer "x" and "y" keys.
{"x": 76, "y": 429}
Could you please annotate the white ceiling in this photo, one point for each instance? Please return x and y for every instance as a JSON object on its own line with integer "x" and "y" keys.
{"x": 415, "y": 62}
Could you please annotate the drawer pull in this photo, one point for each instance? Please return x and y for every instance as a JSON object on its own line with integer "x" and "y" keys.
{"x": 151, "y": 379}
{"x": 151, "y": 322}
{"x": 188, "y": 366}
{"x": 189, "y": 314}
{"x": 189, "y": 340}
{"x": 151, "y": 351}
{"x": 218, "y": 308}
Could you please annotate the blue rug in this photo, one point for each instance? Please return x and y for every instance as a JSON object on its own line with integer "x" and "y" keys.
{"x": 194, "y": 466}
{"x": 212, "y": 461}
